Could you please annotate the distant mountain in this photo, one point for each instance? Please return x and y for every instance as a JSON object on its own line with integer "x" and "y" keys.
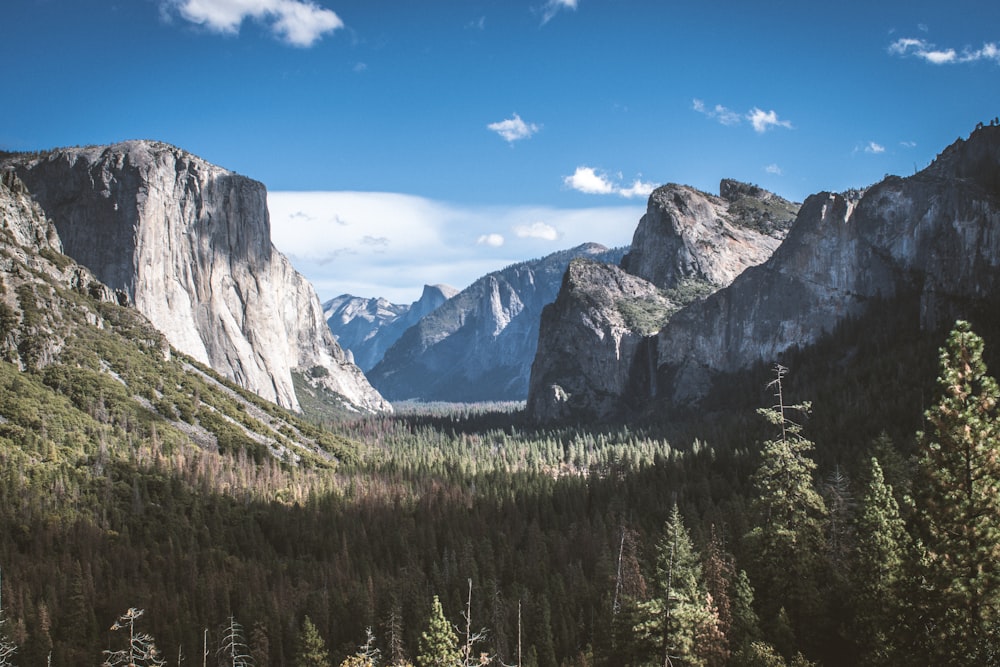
{"x": 593, "y": 352}
{"x": 366, "y": 328}
{"x": 188, "y": 245}
{"x": 478, "y": 345}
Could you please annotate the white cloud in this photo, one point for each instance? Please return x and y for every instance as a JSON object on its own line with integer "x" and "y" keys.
{"x": 537, "y": 230}
{"x": 908, "y": 144}
{"x": 553, "y": 7}
{"x": 589, "y": 181}
{"x": 718, "y": 112}
{"x": 637, "y": 189}
{"x": 297, "y": 22}
{"x": 921, "y": 48}
{"x": 874, "y": 148}
{"x": 773, "y": 169}
{"x": 513, "y": 129}
{"x": 389, "y": 245}
{"x": 493, "y": 240}
{"x": 762, "y": 120}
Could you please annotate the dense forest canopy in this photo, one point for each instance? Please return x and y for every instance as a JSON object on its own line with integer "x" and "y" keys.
{"x": 472, "y": 536}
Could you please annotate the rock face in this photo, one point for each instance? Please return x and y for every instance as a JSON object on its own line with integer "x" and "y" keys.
{"x": 188, "y": 243}
{"x": 688, "y": 234}
{"x": 932, "y": 236}
{"x": 366, "y": 328}
{"x": 597, "y": 351}
{"x": 479, "y": 345}
{"x": 591, "y": 348}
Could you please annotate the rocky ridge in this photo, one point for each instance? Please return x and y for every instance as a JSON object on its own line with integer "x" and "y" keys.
{"x": 366, "y": 328}
{"x": 188, "y": 244}
{"x": 595, "y": 356}
{"x": 931, "y": 237}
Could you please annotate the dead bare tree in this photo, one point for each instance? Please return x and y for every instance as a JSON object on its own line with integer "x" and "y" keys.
{"x": 141, "y": 650}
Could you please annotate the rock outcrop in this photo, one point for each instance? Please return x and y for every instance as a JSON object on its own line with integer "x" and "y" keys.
{"x": 932, "y": 237}
{"x": 479, "y": 345}
{"x": 592, "y": 344}
{"x": 188, "y": 244}
{"x": 597, "y": 351}
{"x": 687, "y": 234}
{"x": 366, "y": 328}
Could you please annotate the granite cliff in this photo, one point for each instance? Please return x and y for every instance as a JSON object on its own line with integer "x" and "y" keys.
{"x": 596, "y": 352}
{"x": 188, "y": 244}
{"x": 925, "y": 244}
{"x": 930, "y": 238}
{"x": 478, "y": 346}
{"x": 366, "y": 328}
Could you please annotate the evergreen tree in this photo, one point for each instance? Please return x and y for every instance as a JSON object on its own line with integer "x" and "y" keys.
{"x": 878, "y": 570}
{"x": 787, "y": 543}
{"x": 310, "y": 648}
{"x": 680, "y": 623}
{"x": 958, "y": 508}
{"x": 438, "y": 645}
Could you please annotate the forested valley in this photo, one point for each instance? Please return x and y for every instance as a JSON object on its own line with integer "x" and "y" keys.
{"x": 858, "y": 529}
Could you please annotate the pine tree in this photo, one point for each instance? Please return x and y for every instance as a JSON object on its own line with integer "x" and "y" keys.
{"x": 787, "y": 545}
{"x": 679, "y": 622}
{"x": 878, "y": 570}
{"x": 438, "y": 646}
{"x": 959, "y": 506}
{"x": 310, "y": 650}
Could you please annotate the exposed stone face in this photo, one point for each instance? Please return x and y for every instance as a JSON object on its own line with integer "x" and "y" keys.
{"x": 189, "y": 244}
{"x": 933, "y": 235}
{"x": 366, "y": 328}
{"x": 479, "y": 345}
{"x": 590, "y": 345}
{"x": 595, "y": 356}
{"x": 687, "y": 233}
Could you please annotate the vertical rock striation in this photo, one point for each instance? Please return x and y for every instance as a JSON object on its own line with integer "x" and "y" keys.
{"x": 189, "y": 244}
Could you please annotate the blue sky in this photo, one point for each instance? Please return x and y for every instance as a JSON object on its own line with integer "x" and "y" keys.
{"x": 407, "y": 142}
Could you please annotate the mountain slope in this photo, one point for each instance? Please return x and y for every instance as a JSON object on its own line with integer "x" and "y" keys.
{"x": 368, "y": 327}
{"x": 83, "y": 370}
{"x": 478, "y": 346}
{"x": 188, "y": 243}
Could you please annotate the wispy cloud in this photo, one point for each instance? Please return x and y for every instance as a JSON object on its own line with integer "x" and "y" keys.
{"x": 925, "y": 50}
{"x": 874, "y": 148}
{"x": 592, "y": 182}
{"x": 390, "y": 245}
{"x": 553, "y": 7}
{"x": 719, "y": 113}
{"x": 493, "y": 240}
{"x": 761, "y": 120}
{"x": 296, "y": 22}
{"x": 537, "y": 230}
{"x": 514, "y": 129}
{"x": 773, "y": 169}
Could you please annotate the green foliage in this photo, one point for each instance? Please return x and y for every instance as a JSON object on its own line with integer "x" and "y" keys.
{"x": 310, "y": 648}
{"x": 645, "y": 315}
{"x": 958, "y": 506}
{"x": 787, "y": 542}
{"x": 679, "y": 622}
{"x": 878, "y": 575}
{"x": 438, "y": 643}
